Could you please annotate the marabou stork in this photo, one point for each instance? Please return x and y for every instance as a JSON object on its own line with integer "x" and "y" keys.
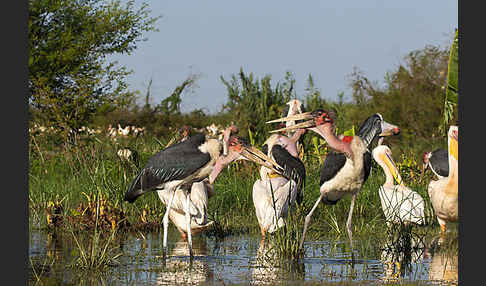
{"x": 399, "y": 203}
{"x": 274, "y": 193}
{"x": 199, "y": 197}
{"x": 443, "y": 193}
{"x": 347, "y": 168}
{"x": 180, "y": 165}
{"x": 437, "y": 161}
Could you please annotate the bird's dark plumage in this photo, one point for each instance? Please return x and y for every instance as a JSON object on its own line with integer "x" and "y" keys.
{"x": 370, "y": 129}
{"x": 293, "y": 167}
{"x": 335, "y": 161}
{"x": 368, "y": 160}
{"x": 265, "y": 149}
{"x": 439, "y": 162}
{"x": 332, "y": 164}
{"x": 176, "y": 162}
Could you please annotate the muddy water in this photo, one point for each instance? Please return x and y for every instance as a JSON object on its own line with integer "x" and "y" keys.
{"x": 233, "y": 260}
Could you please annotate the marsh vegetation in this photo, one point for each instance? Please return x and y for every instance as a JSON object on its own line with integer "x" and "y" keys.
{"x": 81, "y": 232}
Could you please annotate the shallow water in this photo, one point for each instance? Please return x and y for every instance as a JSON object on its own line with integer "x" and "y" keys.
{"x": 239, "y": 259}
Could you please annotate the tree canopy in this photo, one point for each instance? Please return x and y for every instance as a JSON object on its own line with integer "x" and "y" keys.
{"x": 70, "y": 78}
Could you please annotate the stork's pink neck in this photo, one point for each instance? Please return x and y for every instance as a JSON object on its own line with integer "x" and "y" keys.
{"x": 325, "y": 130}
{"x": 222, "y": 162}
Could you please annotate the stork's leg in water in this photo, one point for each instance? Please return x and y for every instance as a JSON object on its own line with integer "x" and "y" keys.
{"x": 307, "y": 219}
{"x": 348, "y": 223}
{"x": 165, "y": 221}
{"x": 188, "y": 224}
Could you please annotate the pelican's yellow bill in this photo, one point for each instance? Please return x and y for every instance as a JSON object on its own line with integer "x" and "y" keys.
{"x": 392, "y": 167}
{"x": 453, "y": 148}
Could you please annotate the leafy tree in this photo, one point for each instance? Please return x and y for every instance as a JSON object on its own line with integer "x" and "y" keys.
{"x": 70, "y": 78}
{"x": 412, "y": 96}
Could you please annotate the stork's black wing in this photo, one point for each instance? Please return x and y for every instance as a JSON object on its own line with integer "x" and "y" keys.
{"x": 439, "y": 162}
{"x": 367, "y": 162}
{"x": 176, "y": 162}
{"x": 333, "y": 163}
{"x": 293, "y": 168}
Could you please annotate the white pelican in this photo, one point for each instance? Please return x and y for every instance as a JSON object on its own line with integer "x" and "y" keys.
{"x": 399, "y": 203}
{"x": 270, "y": 208}
{"x": 443, "y": 193}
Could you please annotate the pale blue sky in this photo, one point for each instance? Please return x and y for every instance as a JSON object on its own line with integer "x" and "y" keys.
{"x": 323, "y": 38}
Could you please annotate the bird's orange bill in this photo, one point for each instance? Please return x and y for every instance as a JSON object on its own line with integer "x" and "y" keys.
{"x": 255, "y": 155}
{"x": 301, "y": 125}
{"x": 392, "y": 167}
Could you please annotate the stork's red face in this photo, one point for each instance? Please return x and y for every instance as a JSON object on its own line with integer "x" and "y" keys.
{"x": 314, "y": 118}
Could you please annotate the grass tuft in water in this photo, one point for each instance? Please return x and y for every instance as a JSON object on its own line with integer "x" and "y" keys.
{"x": 285, "y": 241}
{"x": 99, "y": 255}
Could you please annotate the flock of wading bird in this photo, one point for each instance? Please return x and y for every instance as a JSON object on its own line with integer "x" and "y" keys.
{"x": 184, "y": 172}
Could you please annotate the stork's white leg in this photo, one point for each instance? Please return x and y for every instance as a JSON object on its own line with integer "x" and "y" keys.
{"x": 188, "y": 223}
{"x": 307, "y": 219}
{"x": 348, "y": 222}
{"x": 165, "y": 220}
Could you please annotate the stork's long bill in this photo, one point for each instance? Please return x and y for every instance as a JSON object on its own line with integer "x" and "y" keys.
{"x": 239, "y": 149}
{"x": 318, "y": 117}
{"x": 301, "y": 116}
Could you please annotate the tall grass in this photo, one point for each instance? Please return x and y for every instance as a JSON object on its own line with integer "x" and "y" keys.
{"x": 285, "y": 241}
{"x": 92, "y": 167}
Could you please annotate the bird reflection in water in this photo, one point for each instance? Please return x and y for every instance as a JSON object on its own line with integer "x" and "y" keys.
{"x": 401, "y": 250}
{"x": 180, "y": 271}
{"x": 444, "y": 264}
